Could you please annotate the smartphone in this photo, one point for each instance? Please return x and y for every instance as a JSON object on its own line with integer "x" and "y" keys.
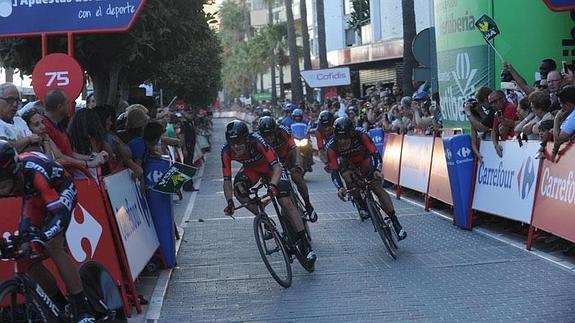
{"x": 564, "y": 66}
{"x": 508, "y": 86}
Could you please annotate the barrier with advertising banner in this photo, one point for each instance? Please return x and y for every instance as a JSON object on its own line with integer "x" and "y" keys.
{"x": 438, "y": 178}
{"x": 556, "y": 192}
{"x": 416, "y": 162}
{"x": 91, "y": 236}
{"x": 392, "y": 158}
{"x": 506, "y": 186}
{"x": 134, "y": 220}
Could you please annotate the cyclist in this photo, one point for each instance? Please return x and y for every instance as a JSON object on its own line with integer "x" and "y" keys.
{"x": 279, "y": 138}
{"x": 351, "y": 149}
{"x": 297, "y": 116}
{"x": 324, "y": 132}
{"x": 258, "y": 161}
{"x": 49, "y": 198}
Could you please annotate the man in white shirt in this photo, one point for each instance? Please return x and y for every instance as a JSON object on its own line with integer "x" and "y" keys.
{"x": 14, "y": 129}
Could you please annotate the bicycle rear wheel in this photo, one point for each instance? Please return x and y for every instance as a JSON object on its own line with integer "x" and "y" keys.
{"x": 13, "y": 305}
{"x": 383, "y": 230}
{"x": 272, "y": 250}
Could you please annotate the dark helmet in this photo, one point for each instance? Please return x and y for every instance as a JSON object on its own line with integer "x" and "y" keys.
{"x": 267, "y": 125}
{"x": 237, "y": 132}
{"x": 266, "y": 113}
{"x": 8, "y": 160}
{"x": 326, "y": 118}
{"x": 343, "y": 127}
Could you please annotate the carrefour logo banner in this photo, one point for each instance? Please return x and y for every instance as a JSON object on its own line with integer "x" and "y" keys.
{"x": 506, "y": 186}
{"x": 557, "y": 192}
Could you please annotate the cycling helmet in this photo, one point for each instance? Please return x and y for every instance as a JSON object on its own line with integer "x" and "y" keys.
{"x": 8, "y": 160}
{"x": 237, "y": 132}
{"x": 266, "y": 113}
{"x": 267, "y": 126}
{"x": 326, "y": 118}
{"x": 352, "y": 109}
{"x": 289, "y": 108}
{"x": 297, "y": 113}
{"x": 343, "y": 127}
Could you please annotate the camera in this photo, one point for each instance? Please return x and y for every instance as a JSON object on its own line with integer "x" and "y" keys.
{"x": 471, "y": 101}
{"x": 506, "y": 76}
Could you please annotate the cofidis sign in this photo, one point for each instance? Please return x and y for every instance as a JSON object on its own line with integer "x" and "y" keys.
{"x": 327, "y": 77}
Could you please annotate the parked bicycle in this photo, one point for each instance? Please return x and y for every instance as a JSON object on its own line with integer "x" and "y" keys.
{"x": 381, "y": 224}
{"x": 277, "y": 247}
{"x": 24, "y": 300}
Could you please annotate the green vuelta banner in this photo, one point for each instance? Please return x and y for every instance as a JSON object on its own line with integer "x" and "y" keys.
{"x": 462, "y": 56}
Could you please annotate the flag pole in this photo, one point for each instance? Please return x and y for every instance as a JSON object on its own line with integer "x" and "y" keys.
{"x": 494, "y": 49}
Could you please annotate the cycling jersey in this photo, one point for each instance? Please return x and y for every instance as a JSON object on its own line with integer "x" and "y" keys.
{"x": 361, "y": 154}
{"x": 322, "y": 138}
{"x": 284, "y": 143}
{"x": 49, "y": 195}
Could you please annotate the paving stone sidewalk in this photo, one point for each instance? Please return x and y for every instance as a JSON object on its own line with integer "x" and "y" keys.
{"x": 442, "y": 274}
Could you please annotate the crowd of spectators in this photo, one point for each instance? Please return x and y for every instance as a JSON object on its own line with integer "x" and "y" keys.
{"x": 112, "y": 138}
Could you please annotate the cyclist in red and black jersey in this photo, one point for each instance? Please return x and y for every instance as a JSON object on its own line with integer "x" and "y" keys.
{"x": 282, "y": 142}
{"x": 324, "y": 132}
{"x": 258, "y": 161}
{"x": 49, "y": 198}
{"x": 352, "y": 149}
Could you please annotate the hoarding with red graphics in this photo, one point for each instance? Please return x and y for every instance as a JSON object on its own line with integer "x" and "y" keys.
{"x": 89, "y": 235}
{"x": 554, "y": 209}
{"x": 439, "y": 179}
{"x": 391, "y": 158}
{"x": 58, "y": 71}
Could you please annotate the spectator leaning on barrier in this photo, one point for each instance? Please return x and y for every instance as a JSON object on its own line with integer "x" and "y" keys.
{"x": 504, "y": 115}
{"x": 136, "y": 120}
{"x": 106, "y": 115}
{"x": 564, "y": 124}
{"x": 12, "y": 128}
{"x": 87, "y": 136}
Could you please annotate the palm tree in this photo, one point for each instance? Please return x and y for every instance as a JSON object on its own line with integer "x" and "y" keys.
{"x": 322, "y": 50}
{"x": 270, "y": 4}
{"x": 409, "y": 32}
{"x": 306, "y": 49}
{"x": 297, "y": 92}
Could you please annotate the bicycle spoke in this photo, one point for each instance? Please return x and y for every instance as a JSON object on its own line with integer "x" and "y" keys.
{"x": 272, "y": 250}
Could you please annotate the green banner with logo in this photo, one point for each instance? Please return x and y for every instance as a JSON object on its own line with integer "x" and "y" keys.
{"x": 174, "y": 178}
{"x": 462, "y": 56}
{"x": 262, "y": 96}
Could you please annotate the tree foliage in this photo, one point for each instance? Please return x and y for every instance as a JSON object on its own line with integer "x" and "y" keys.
{"x": 165, "y": 33}
{"x": 244, "y": 59}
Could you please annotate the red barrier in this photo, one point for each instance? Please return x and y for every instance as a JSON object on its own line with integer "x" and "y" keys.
{"x": 438, "y": 187}
{"x": 92, "y": 235}
{"x": 554, "y": 210}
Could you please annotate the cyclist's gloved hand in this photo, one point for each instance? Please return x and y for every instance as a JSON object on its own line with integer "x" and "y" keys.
{"x": 273, "y": 190}
{"x": 229, "y": 210}
{"x": 341, "y": 193}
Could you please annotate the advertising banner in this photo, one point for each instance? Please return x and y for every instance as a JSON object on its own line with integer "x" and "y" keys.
{"x": 134, "y": 220}
{"x": 327, "y": 77}
{"x": 415, "y": 162}
{"x": 77, "y": 16}
{"x": 506, "y": 186}
{"x": 459, "y": 159}
{"x": 378, "y": 138}
{"x": 557, "y": 193}
{"x": 462, "y": 56}
{"x": 391, "y": 158}
{"x": 439, "y": 179}
{"x": 89, "y": 236}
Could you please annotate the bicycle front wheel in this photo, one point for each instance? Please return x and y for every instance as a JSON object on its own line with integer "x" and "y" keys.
{"x": 383, "y": 230}
{"x": 272, "y": 250}
{"x": 13, "y": 307}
